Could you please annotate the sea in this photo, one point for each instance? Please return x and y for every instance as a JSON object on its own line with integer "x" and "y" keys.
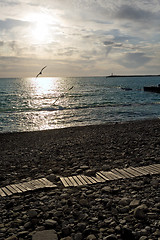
{"x": 31, "y": 104}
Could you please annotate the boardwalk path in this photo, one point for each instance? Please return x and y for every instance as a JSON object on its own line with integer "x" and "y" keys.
{"x": 79, "y": 180}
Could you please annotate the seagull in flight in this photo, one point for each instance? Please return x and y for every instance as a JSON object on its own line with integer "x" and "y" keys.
{"x": 41, "y": 71}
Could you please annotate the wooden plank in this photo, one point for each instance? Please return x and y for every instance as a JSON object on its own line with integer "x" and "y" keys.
{"x": 39, "y": 183}
{"x": 129, "y": 173}
{"x": 16, "y": 188}
{"x": 151, "y": 170}
{"x": 110, "y": 175}
{"x": 133, "y": 172}
{"x": 98, "y": 180}
{"x": 115, "y": 170}
{"x": 86, "y": 179}
{"x": 79, "y": 180}
{"x": 47, "y": 183}
{"x": 11, "y": 189}
{"x": 156, "y": 168}
{"x": 141, "y": 171}
{"x": 36, "y": 184}
{"x": 68, "y": 182}
{"x": 90, "y": 179}
{"x": 73, "y": 181}
{"x": 144, "y": 170}
{"x": 28, "y": 186}
{"x": 2, "y": 193}
{"x": 6, "y": 191}
{"x": 19, "y": 185}
{"x": 102, "y": 176}
{"x": 64, "y": 181}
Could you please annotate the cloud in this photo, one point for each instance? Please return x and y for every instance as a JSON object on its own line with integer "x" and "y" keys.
{"x": 134, "y": 59}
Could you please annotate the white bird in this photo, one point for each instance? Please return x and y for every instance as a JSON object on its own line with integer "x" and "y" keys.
{"x": 41, "y": 71}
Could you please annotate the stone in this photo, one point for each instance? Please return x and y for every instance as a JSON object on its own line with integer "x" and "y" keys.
{"x": 46, "y": 234}
{"x": 124, "y": 201}
{"x": 139, "y": 212}
{"x": 134, "y": 203}
{"x": 91, "y": 237}
{"x": 78, "y": 236}
{"x": 127, "y": 234}
{"x": 143, "y": 238}
{"x": 50, "y": 223}
{"x": 32, "y": 213}
{"x": 13, "y": 237}
{"x": 111, "y": 237}
{"x": 106, "y": 189}
{"x": 90, "y": 173}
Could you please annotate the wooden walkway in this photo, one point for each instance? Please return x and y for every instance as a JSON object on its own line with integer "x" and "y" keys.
{"x": 114, "y": 174}
{"x": 80, "y": 180}
{"x": 26, "y": 186}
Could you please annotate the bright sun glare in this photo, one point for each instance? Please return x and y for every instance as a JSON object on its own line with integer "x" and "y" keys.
{"x": 41, "y": 23}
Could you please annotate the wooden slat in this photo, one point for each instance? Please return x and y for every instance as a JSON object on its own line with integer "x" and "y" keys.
{"x": 151, "y": 170}
{"x": 134, "y": 172}
{"x": 90, "y": 179}
{"x": 2, "y": 193}
{"x": 16, "y": 188}
{"x": 141, "y": 170}
{"x": 68, "y": 182}
{"x": 115, "y": 170}
{"x": 21, "y": 187}
{"x": 35, "y": 184}
{"x": 17, "y": 185}
{"x": 102, "y": 176}
{"x": 73, "y": 181}
{"x": 87, "y": 179}
{"x": 156, "y": 167}
{"x": 79, "y": 180}
{"x": 46, "y": 183}
{"x": 110, "y": 175}
{"x": 11, "y": 189}
{"x": 6, "y": 191}
{"x": 98, "y": 180}
{"x": 64, "y": 181}
{"x": 131, "y": 175}
{"x": 28, "y": 186}
{"x": 84, "y": 179}
{"x": 127, "y": 175}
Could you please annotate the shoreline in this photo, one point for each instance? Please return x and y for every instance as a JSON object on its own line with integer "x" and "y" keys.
{"x": 121, "y": 209}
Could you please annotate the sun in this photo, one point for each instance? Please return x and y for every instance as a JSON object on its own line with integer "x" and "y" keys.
{"x": 40, "y": 27}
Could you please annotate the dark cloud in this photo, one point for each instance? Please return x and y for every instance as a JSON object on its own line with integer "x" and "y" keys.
{"x": 11, "y": 23}
{"x": 106, "y": 43}
{"x": 129, "y": 12}
{"x": 134, "y": 60}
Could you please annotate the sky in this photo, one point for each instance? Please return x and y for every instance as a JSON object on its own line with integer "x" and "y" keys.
{"x": 79, "y": 37}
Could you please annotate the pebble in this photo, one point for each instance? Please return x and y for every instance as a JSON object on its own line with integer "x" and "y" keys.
{"x": 109, "y": 210}
{"x": 46, "y": 234}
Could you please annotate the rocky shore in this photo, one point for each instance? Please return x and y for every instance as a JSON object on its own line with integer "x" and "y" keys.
{"x": 122, "y": 209}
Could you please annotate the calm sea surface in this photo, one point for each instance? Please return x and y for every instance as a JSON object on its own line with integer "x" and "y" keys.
{"x": 29, "y": 104}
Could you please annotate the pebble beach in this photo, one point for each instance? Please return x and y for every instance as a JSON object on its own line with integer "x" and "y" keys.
{"x": 122, "y": 209}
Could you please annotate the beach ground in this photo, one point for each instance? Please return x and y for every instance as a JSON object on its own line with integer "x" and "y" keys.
{"x": 122, "y": 209}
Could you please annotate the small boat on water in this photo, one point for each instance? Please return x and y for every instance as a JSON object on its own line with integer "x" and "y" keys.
{"x": 155, "y": 89}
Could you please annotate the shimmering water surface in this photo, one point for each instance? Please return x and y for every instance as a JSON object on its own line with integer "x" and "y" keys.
{"x": 29, "y": 104}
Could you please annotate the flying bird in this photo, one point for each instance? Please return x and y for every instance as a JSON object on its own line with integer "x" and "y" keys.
{"x": 62, "y": 95}
{"x": 41, "y": 71}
